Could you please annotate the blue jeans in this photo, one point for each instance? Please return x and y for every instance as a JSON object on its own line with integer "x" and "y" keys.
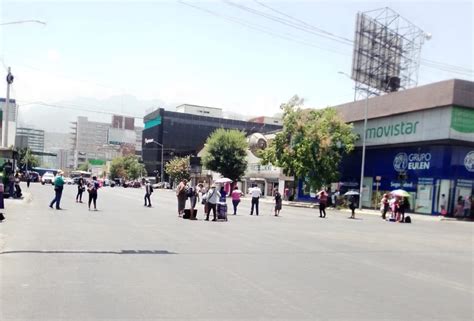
{"x": 57, "y": 197}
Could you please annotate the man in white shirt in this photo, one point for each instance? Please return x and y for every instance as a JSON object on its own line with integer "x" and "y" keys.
{"x": 256, "y": 193}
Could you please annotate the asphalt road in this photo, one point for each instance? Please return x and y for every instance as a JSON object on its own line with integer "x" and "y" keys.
{"x": 128, "y": 262}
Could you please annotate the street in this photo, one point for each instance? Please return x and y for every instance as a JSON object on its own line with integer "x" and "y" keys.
{"x": 129, "y": 262}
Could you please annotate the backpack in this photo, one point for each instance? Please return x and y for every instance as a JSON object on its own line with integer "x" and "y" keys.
{"x": 407, "y": 219}
{"x": 189, "y": 192}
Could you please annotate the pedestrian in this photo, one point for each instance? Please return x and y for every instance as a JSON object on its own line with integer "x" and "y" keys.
{"x": 17, "y": 193}
{"x": 236, "y": 195}
{"x": 334, "y": 198}
{"x": 397, "y": 208}
{"x": 287, "y": 193}
{"x": 467, "y": 206}
{"x": 404, "y": 206}
{"x": 442, "y": 205}
{"x": 28, "y": 179}
{"x": 2, "y": 205}
{"x": 192, "y": 193}
{"x": 384, "y": 206}
{"x": 148, "y": 192}
{"x": 181, "y": 195}
{"x": 352, "y": 205}
{"x": 58, "y": 190}
{"x": 11, "y": 185}
{"x": 80, "y": 188}
{"x": 256, "y": 193}
{"x": 323, "y": 199}
{"x": 459, "y": 211}
{"x": 212, "y": 198}
{"x": 277, "y": 197}
{"x": 92, "y": 189}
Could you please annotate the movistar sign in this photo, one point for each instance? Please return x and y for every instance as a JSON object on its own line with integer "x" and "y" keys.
{"x": 401, "y": 128}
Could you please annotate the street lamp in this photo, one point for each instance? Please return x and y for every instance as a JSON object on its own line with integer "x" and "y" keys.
{"x": 23, "y": 21}
{"x": 151, "y": 140}
{"x": 362, "y": 167}
{"x": 10, "y": 81}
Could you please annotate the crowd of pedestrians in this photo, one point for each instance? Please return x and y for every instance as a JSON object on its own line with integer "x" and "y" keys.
{"x": 91, "y": 185}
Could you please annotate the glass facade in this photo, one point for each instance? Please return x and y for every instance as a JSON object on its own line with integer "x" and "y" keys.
{"x": 185, "y": 134}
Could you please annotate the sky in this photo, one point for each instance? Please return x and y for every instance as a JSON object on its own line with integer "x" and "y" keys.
{"x": 131, "y": 57}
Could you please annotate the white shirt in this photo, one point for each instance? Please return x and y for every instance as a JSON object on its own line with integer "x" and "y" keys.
{"x": 256, "y": 192}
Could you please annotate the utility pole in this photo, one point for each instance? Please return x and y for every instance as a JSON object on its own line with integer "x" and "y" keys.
{"x": 6, "y": 110}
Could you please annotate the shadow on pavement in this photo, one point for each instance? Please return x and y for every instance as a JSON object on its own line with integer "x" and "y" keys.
{"x": 139, "y": 252}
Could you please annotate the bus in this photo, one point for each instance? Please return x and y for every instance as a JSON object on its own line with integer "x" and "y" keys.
{"x": 84, "y": 174}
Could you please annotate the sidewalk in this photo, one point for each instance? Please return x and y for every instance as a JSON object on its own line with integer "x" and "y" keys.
{"x": 364, "y": 211}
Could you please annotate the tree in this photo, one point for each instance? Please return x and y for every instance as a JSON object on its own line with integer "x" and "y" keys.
{"x": 84, "y": 167}
{"x": 226, "y": 153}
{"x": 178, "y": 168}
{"x": 311, "y": 144}
{"x": 127, "y": 167}
{"x": 26, "y": 159}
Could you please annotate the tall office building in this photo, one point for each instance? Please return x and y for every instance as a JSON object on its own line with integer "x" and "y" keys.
{"x": 31, "y": 138}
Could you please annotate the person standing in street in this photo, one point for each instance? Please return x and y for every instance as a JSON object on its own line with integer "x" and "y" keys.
{"x": 212, "y": 197}
{"x": 181, "y": 195}
{"x": 80, "y": 189}
{"x": 2, "y": 205}
{"x": 58, "y": 190}
{"x": 278, "y": 202}
{"x": 323, "y": 200}
{"x": 256, "y": 193}
{"x": 28, "y": 179}
{"x": 236, "y": 195}
{"x": 148, "y": 192}
{"x": 352, "y": 205}
{"x": 92, "y": 190}
{"x": 384, "y": 206}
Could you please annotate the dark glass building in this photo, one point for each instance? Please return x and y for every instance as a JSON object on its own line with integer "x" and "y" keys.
{"x": 183, "y": 134}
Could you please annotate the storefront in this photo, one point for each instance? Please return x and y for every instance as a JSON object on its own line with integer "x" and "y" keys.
{"x": 420, "y": 140}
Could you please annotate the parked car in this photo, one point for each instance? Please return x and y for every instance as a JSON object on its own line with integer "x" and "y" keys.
{"x": 165, "y": 185}
{"x": 68, "y": 180}
{"x": 47, "y": 178}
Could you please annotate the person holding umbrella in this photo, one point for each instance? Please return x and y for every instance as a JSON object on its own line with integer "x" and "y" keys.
{"x": 352, "y": 201}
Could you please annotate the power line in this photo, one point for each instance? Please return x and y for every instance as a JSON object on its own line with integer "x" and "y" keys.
{"x": 429, "y": 63}
{"x": 288, "y": 23}
{"x": 304, "y": 23}
{"x": 244, "y": 23}
{"x": 74, "y": 107}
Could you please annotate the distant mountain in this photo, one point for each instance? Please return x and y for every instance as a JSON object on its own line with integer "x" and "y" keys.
{"x": 58, "y": 116}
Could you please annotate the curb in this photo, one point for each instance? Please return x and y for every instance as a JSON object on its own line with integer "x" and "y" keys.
{"x": 27, "y": 198}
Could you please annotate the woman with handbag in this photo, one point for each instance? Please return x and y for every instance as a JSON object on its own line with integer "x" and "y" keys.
{"x": 92, "y": 189}
{"x": 80, "y": 189}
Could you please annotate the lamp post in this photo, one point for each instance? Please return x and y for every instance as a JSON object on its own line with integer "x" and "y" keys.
{"x": 10, "y": 81}
{"x": 362, "y": 167}
{"x": 147, "y": 141}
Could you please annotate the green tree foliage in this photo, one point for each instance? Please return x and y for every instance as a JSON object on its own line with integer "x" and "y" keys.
{"x": 83, "y": 167}
{"x": 127, "y": 167}
{"x": 25, "y": 157}
{"x": 178, "y": 168}
{"x": 311, "y": 144}
{"x": 226, "y": 153}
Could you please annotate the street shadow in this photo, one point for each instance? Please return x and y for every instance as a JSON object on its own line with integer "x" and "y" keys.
{"x": 122, "y": 252}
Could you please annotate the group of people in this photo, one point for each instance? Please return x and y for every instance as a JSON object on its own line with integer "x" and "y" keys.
{"x": 92, "y": 187}
{"x": 214, "y": 199}
{"x": 394, "y": 205}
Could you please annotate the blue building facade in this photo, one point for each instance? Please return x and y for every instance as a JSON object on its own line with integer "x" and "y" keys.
{"x": 433, "y": 154}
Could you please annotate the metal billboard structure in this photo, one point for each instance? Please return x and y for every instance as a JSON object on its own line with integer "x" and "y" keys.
{"x": 387, "y": 50}
{"x": 386, "y": 57}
